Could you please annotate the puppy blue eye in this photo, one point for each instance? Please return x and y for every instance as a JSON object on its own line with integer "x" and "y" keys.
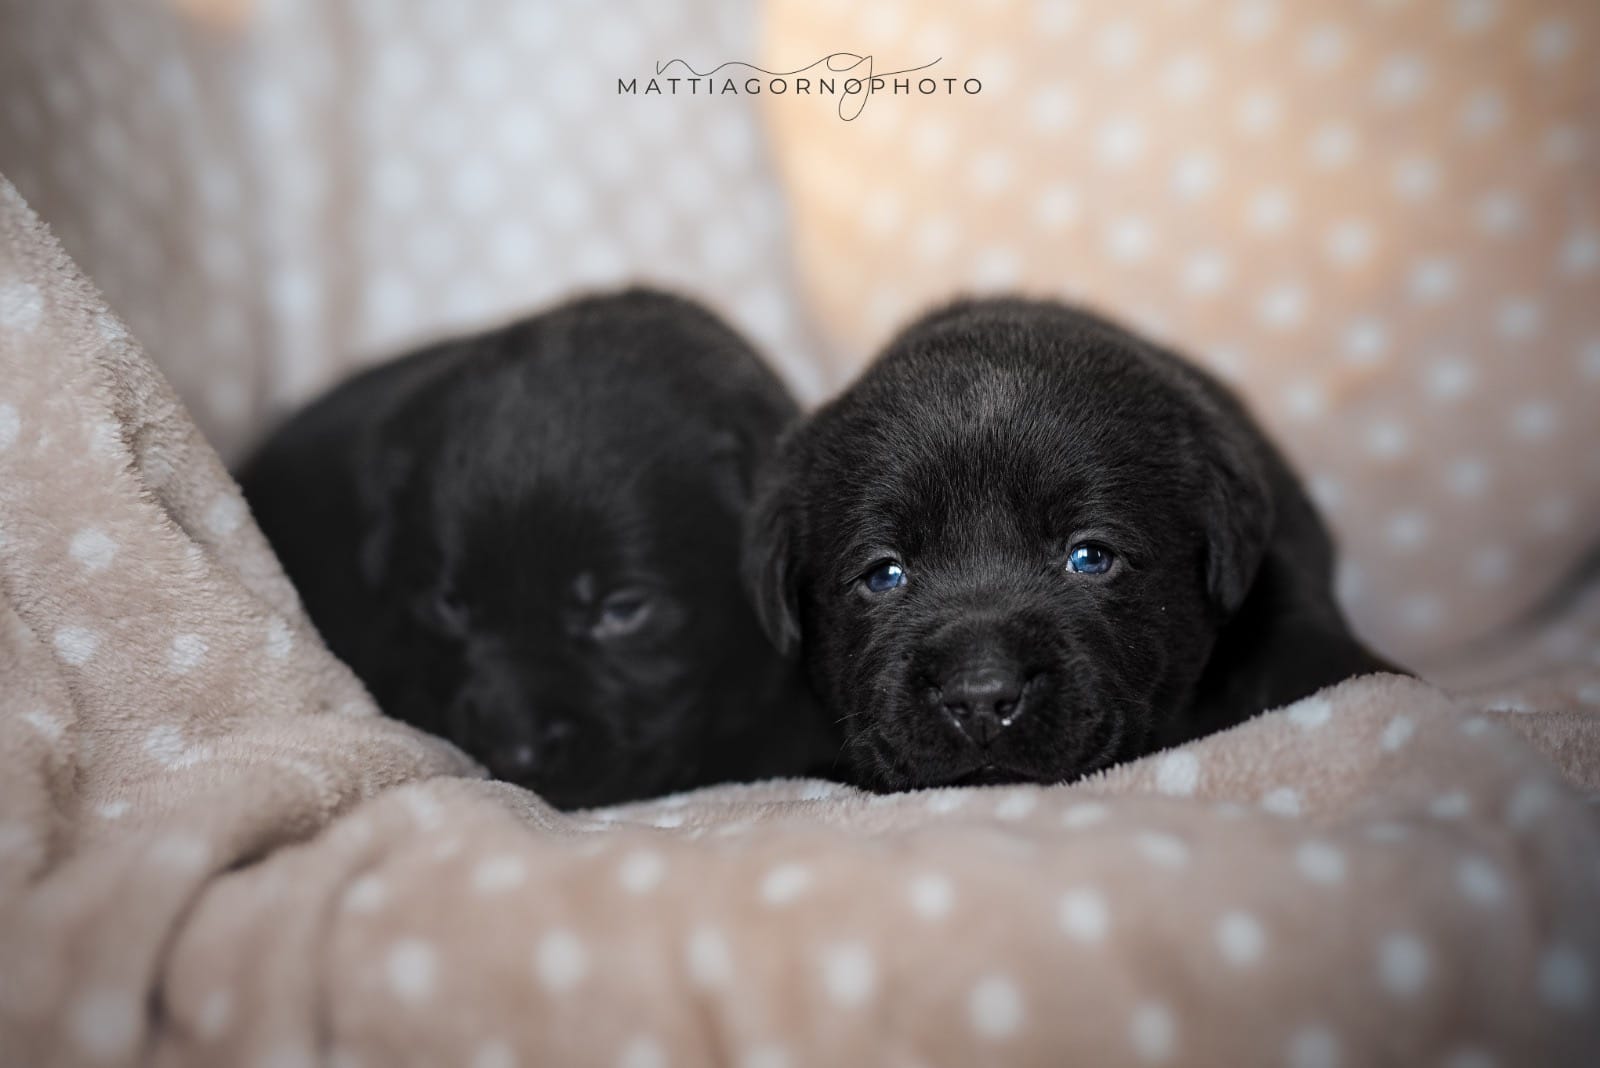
{"x": 1089, "y": 559}
{"x": 885, "y": 577}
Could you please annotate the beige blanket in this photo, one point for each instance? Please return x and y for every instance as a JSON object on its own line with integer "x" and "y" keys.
{"x": 214, "y": 851}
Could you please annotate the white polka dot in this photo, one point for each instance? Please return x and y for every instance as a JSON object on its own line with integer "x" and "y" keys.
{"x": 92, "y": 548}
{"x": 1333, "y": 145}
{"x": 1550, "y": 42}
{"x": 1258, "y": 111}
{"x": 114, "y": 810}
{"x": 215, "y": 1015}
{"x": 1320, "y": 862}
{"x": 1387, "y": 441}
{"x": 1282, "y": 801}
{"x": 1323, "y": 47}
{"x": 642, "y": 1053}
{"x": 10, "y": 426}
{"x": 21, "y": 307}
{"x": 1178, "y": 773}
{"x": 785, "y": 884}
{"x": 641, "y": 871}
{"x": 1366, "y": 341}
{"x": 47, "y": 725}
{"x": 945, "y": 801}
{"x": 1401, "y": 80}
{"x": 931, "y": 896}
{"x": 1500, "y": 214}
{"x": 1432, "y": 280}
{"x": 1479, "y": 881}
{"x": 1313, "y": 1047}
{"x": 1415, "y": 178}
{"x": 1240, "y": 938}
{"x": 1082, "y": 913}
{"x": 1017, "y": 805}
{"x": 279, "y": 640}
{"x": 225, "y": 515}
{"x": 1282, "y": 306}
{"x": 180, "y": 851}
{"x": 1305, "y": 400}
{"x": 995, "y": 1007}
{"x": 1311, "y": 713}
{"x": 765, "y": 1056}
{"x": 709, "y": 958}
{"x": 1581, "y": 253}
{"x": 1403, "y": 964}
{"x": 1164, "y": 850}
{"x": 1387, "y": 832}
{"x": 366, "y": 894}
{"x": 1154, "y": 1033}
{"x": 1205, "y": 272}
{"x": 1270, "y": 211}
{"x": 1469, "y": 1057}
{"x": 76, "y": 645}
{"x": 1534, "y": 420}
{"x": 494, "y": 1054}
{"x": 1563, "y": 978}
{"x": 1406, "y": 531}
{"x": 106, "y": 1023}
{"x": 1349, "y": 243}
{"x": 496, "y": 875}
{"x": 1449, "y": 379}
{"x": 1470, "y": 16}
{"x": 1129, "y": 239}
{"x": 1119, "y": 141}
{"x": 411, "y": 967}
{"x": 1483, "y": 112}
{"x": 1450, "y": 806}
{"x": 186, "y": 653}
{"x": 1528, "y": 803}
{"x": 1187, "y": 76}
{"x": 1053, "y": 108}
{"x": 1195, "y": 174}
{"x": 561, "y": 960}
{"x": 849, "y": 974}
{"x": 1084, "y": 814}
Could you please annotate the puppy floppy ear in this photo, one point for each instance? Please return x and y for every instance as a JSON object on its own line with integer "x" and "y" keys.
{"x": 768, "y": 558}
{"x": 1239, "y": 517}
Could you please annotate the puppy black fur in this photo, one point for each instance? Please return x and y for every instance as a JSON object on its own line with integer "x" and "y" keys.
{"x": 527, "y": 541}
{"x": 990, "y": 439}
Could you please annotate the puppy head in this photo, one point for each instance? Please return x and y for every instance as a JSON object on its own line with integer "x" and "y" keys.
{"x": 571, "y": 530}
{"x": 1007, "y": 550}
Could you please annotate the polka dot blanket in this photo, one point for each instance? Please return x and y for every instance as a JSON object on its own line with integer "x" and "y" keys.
{"x": 214, "y": 851}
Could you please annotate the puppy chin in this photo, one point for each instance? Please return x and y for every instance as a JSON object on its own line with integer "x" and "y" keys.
{"x": 1057, "y": 738}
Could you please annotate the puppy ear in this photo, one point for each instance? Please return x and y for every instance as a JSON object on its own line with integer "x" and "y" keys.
{"x": 768, "y": 559}
{"x": 1239, "y": 518}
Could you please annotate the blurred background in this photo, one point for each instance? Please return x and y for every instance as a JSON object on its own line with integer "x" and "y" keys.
{"x": 1379, "y": 219}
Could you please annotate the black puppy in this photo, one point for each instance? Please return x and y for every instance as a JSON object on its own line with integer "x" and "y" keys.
{"x": 1027, "y": 545}
{"x": 527, "y": 541}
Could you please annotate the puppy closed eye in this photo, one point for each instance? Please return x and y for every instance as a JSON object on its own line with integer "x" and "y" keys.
{"x": 622, "y": 614}
{"x": 1090, "y": 558}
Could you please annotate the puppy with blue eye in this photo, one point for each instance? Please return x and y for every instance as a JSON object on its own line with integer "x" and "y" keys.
{"x": 527, "y": 541}
{"x": 1027, "y": 545}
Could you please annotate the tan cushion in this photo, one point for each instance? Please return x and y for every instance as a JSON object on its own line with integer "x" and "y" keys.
{"x": 1381, "y": 220}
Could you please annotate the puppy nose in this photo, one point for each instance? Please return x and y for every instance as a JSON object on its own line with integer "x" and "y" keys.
{"x": 983, "y": 700}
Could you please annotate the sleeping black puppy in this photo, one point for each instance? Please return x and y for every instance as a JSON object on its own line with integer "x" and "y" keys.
{"x": 527, "y": 541}
{"x": 1027, "y": 545}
